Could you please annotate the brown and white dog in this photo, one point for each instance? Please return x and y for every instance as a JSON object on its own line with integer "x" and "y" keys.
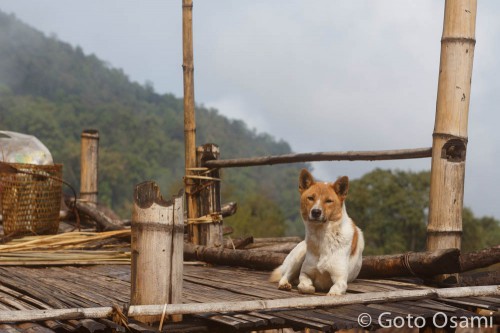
{"x": 331, "y": 254}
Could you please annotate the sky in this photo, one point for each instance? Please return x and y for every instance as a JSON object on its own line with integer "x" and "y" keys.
{"x": 326, "y": 75}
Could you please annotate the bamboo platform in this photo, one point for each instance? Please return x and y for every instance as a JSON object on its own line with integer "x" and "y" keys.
{"x": 23, "y": 288}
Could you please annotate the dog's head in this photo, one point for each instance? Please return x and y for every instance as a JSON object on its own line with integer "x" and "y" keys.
{"x": 321, "y": 202}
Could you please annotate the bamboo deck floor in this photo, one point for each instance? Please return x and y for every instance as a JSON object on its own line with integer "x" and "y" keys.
{"x": 105, "y": 285}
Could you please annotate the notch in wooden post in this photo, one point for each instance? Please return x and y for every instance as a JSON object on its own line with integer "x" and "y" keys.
{"x": 157, "y": 249}
{"x": 89, "y": 166}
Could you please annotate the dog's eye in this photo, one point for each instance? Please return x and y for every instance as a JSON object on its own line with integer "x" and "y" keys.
{"x": 329, "y": 201}
{"x": 311, "y": 198}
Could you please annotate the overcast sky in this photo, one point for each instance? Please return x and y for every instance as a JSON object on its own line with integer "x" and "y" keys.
{"x": 323, "y": 75}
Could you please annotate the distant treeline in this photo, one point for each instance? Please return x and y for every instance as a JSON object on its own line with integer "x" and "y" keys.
{"x": 53, "y": 90}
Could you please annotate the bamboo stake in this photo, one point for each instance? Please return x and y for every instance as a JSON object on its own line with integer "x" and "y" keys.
{"x": 273, "y": 304}
{"x": 152, "y": 248}
{"x": 189, "y": 116}
{"x": 89, "y": 166}
{"x": 322, "y": 156}
{"x": 444, "y": 229}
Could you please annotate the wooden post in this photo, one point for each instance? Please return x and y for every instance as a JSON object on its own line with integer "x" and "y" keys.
{"x": 156, "y": 249}
{"x": 89, "y": 166}
{"x": 209, "y": 199}
{"x": 189, "y": 116}
{"x": 444, "y": 229}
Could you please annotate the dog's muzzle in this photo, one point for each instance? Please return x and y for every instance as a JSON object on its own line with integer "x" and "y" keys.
{"x": 316, "y": 215}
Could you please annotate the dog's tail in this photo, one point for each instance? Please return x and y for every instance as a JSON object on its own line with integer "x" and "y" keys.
{"x": 275, "y": 275}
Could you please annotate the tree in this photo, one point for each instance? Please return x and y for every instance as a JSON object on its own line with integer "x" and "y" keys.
{"x": 391, "y": 207}
{"x": 259, "y": 217}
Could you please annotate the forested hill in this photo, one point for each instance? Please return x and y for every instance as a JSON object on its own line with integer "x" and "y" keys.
{"x": 53, "y": 90}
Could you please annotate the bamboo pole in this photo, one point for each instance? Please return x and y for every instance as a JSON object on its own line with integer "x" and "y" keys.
{"x": 444, "y": 229}
{"x": 89, "y": 166}
{"x": 189, "y": 116}
{"x": 272, "y": 304}
{"x": 156, "y": 268}
{"x": 322, "y": 156}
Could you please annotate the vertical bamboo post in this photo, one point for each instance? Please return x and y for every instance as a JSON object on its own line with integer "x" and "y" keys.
{"x": 157, "y": 249}
{"x": 444, "y": 229}
{"x": 89, "y": 166}
{"x": 189, "y": 116}
{"x": 209, "y": 198}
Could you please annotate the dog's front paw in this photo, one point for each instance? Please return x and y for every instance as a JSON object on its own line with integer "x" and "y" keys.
{"x": 285, "y": 286}
{"x": 306, "y": 288}
{"x": 336, "y": 290}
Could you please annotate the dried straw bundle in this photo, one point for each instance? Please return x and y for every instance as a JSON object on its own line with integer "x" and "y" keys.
{"x": 66, "y": 249}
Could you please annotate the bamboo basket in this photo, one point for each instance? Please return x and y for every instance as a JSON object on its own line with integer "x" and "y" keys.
{"x": 31, "y": 200}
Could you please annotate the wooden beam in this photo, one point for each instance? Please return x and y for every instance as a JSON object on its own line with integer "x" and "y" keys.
{"x": 229, "y": 209}
{"x": 424, "y": 264}
{"x": 252, "y": 259}
{"x": 444, "y": 229}
{"x": 381, "y": 155}
{"x": 256, "y": 305}
{"x": 105, "y": 222}
{"x": 479, "y": 259}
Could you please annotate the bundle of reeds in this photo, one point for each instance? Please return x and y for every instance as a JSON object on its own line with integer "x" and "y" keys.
{"x": 72, "y": 248}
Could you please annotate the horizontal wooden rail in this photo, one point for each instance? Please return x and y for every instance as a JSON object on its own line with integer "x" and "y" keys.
{"x": 7, "y": 316}
{"x": 380, "y": 155}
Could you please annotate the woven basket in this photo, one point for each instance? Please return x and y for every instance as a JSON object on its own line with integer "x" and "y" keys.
{"x": 31, "y": 201}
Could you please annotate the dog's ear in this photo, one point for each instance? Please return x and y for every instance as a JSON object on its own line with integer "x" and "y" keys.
{"x": 305, "y": 180}
{"x": 341, "y": 186}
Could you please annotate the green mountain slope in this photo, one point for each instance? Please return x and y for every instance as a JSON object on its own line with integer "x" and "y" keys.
{"x": 52, "y": 90}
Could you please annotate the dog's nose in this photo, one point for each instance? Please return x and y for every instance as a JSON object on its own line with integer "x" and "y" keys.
{"x": 316, "y": 213}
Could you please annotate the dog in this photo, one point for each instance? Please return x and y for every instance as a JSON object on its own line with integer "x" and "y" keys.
{"x": 331, "y": 254}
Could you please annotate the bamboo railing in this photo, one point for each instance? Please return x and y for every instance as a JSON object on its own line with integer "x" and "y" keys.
{"x": 381, "y": 155}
